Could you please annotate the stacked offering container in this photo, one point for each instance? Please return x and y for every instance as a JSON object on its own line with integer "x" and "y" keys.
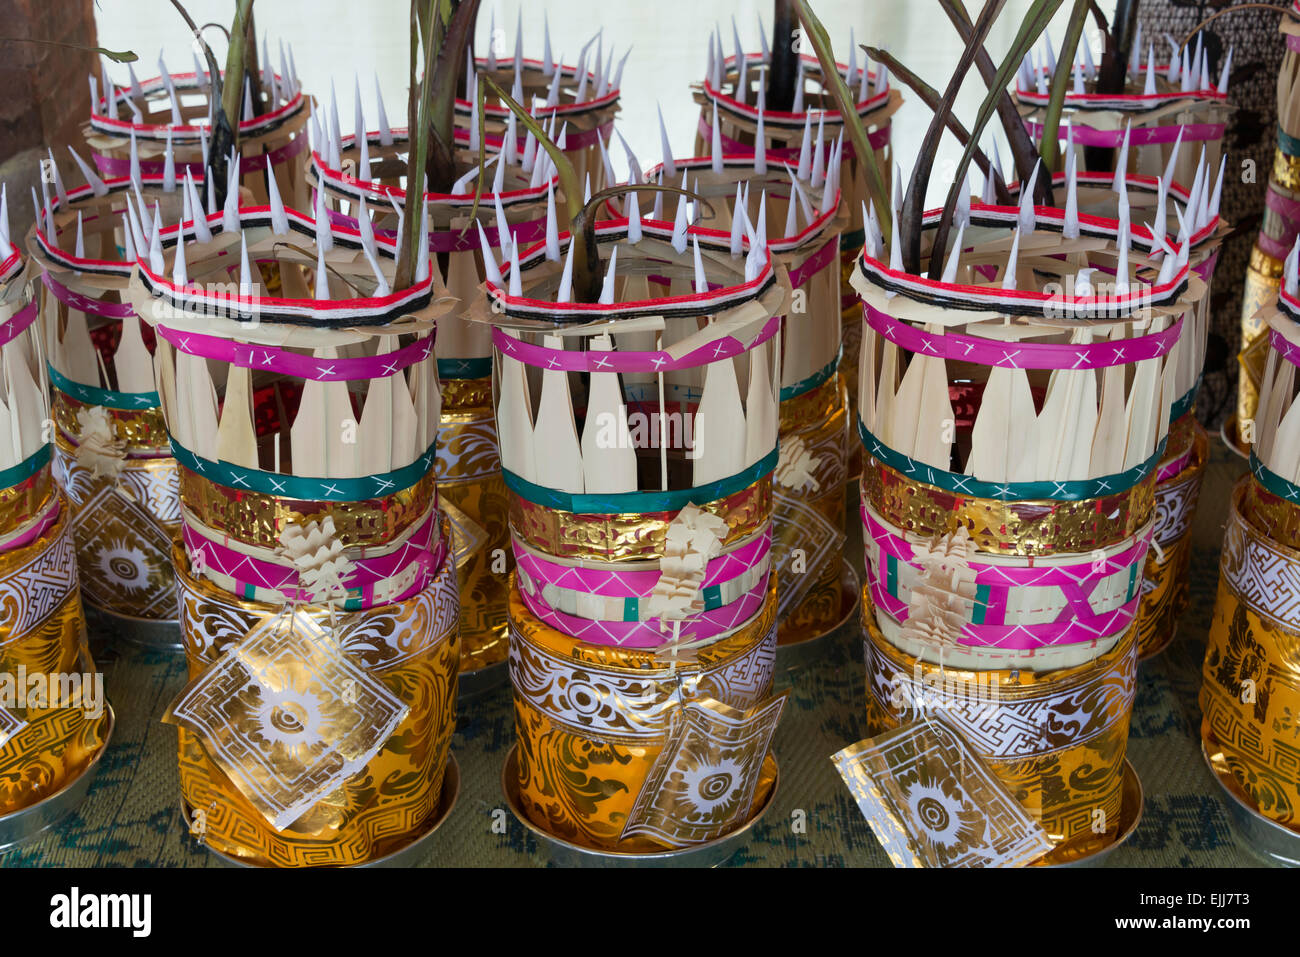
{"x": 53, "y": 728}
{"x": 1007, "y": 495}
{"x": 111, "y": 455}
{"x": 1251, "y": 684}
{"x": 643, "y": 621}
{"x": 319, "y": 604}
{"x": 143, "y": 118}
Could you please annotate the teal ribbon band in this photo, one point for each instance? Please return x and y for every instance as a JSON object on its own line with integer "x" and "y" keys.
{"x": 853, "y": 240}
{"x": 465, "y": 368}
{"x": 1073, "y": 491}
{"x": 93, "y": 395}
{"x": 302, "y": 488}
{"x": 17, "y": 474}
{"x": 1272, "y": 481}
{"x": 1287, "y": 144}
{"x": 627, "y": 503}
{"x": 1184, "y": 403}
{"x": 813, "y": 381}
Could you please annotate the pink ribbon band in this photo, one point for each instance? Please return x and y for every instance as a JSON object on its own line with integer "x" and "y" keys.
{"x": 75, "y": 300}
{"x": 274, "y": 359}
{"x": 542, "y": 357}
{"x": 1021, "y": 354}
{"x": 1086, "y": 135}
{"x": 366, "y": 573}
{"x": 18, "y": 323}
{"x": 113, "y": 166}
{"x": 814, "y": 264}
{"x": 654, "y": 632}
{"x": 612, "y": 582}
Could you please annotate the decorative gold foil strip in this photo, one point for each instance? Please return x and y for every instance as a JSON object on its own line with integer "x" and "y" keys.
{"x": 142, "y": 430}
{"x": 485, "y": 579}
{"x": 1029, "y": 528}
{"x": 1286, "y": 171}
{"x": 258, "y": 519}
{"x": 630, "y": 537}
{"x": 466, "y": 395}
{"x": 21, "y": 503}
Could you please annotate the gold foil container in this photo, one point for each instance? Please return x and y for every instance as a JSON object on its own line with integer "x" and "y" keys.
{"x": 468, "y": 471}
{"x": 1056, "y": 739}
{"x": 143, "y": 430}
{"x": 43, "y": 631}
{"x": 396, "y": 797}
{"x": 1250, "y": 693}
{"x": 1165, "y": 585}
{"x": 591, "y": 720}
{"x": 811, "y": 518}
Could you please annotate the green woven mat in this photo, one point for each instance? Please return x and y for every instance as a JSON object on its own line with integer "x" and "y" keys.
{"x": 131, "y": 817}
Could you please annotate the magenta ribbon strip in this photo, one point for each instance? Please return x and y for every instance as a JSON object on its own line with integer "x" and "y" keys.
{"x": 1086, "y": 135}
{"x": 451, "y": 241}
{"x": 40, "y": 528}
{"x": 366, "y": 572}
{"x": 95, "y": 307}
{"x": 611, "y": 582}
{"x": 1170, "y": 469}
{"x": 1288, "y": 211}
{"x": 1072, "y": 630}
{"x": 1076, "y": 583}
{"x": 815, "y": 263}
{"x": 273, "y": 359}
{"x": 595, "y": 361}
{"x": 113, "y": 166}
{"x": 877, "y": 138}
{"x": 650, "y": 634}
{"x": 17, "y": 324}
{"x": 1022, "y": 355}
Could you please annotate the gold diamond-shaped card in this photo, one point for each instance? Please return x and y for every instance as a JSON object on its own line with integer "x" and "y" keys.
{"x": 702, "y": 784}
{"x": 287, "y": 716}
{"x": 932, "y": 802}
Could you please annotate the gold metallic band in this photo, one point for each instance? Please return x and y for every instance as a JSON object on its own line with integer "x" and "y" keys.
{"x": 630, "y": 537}
{"x": 1029, "y": 528}
{"x": 258, "y": 519}
{"x": 142, "y": 430}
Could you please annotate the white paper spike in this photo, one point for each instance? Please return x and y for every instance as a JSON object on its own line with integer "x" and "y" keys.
{"x": 422, "y": 258}
{"x": 385, "y": 133}
{"x": 201, "y": 231}
{"x": 1121, "y": 163}
{"x": 490, "y": 270}
{"x": 1215, "y": 198}
{"x": 1009, "y": 276}
{"x": 128, "y": 241}
{"x": 322, "y": 289}
{"x": 1292, "y": 270}
{"x": 155, "y": 249}
{"x": 565, "y": 292}
{"x": 180, "y": 274}
{"x": 1226, "y": 72}
{"x": 819, "y": 153}
{"x": 611, "y": 276}
{"x": 760, "y": 135}
{"x": 1149, "y": 87}
{"x": 1070, "y": 226}
{"x": 634, "y": 232}
{"x": 679, "y": 226}
{"x": 245, "y": 269}
{"x": 97, "y": 185}
{"x": 1027, "y": 218}
{"x": 516, "y": 278}
{"x": 954, "y": 257}
{"x": 279, "y": 219}
{"x": 670, "y": 168}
